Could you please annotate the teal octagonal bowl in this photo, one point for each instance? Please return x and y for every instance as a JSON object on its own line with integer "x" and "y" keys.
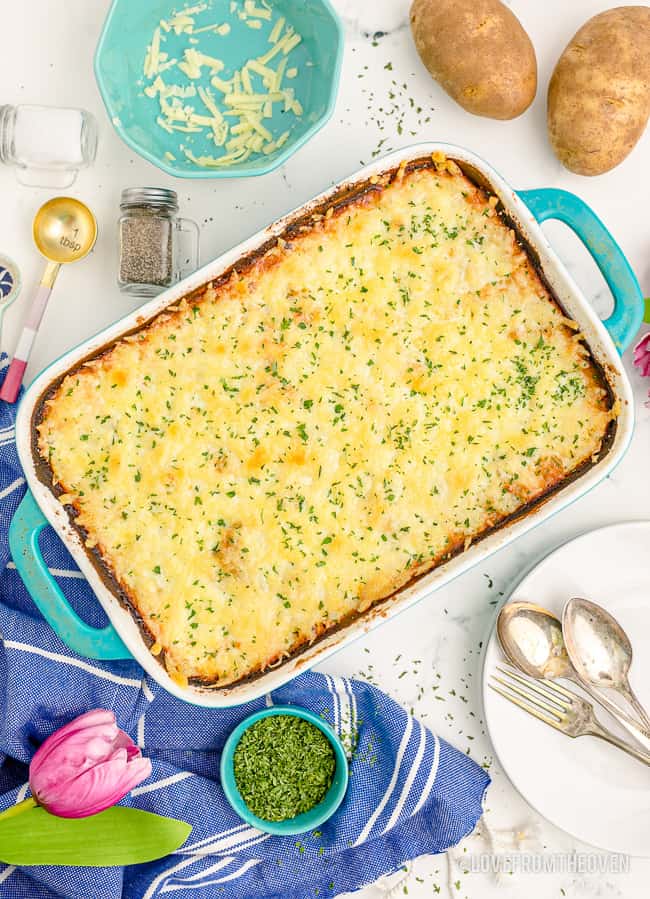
{"x": 119, "y": 70}
{"x": 308, "y": 820}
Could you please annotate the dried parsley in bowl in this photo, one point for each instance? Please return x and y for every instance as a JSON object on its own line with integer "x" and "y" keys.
{"x": 283, "y": 767}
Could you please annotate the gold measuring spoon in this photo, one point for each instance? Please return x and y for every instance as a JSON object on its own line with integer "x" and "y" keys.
{"x": 64, "y": 231}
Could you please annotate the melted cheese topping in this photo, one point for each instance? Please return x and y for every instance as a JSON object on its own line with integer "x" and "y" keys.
{"x": 260, "y": 463}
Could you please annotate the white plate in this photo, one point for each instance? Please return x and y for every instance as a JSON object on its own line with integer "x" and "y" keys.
{"x": 584, "y": 786}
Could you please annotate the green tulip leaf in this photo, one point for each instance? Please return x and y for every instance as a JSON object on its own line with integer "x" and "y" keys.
{"x": 117, "y": 836}
{"x": 646, "y": 317}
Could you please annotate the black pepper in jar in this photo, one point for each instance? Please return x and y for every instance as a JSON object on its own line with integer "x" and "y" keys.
{"x": 148, "y": 228}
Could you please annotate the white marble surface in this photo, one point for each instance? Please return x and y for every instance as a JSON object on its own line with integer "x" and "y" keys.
{"x": 430, "y": 657}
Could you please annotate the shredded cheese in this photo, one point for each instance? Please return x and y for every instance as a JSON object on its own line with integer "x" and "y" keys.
{"x": 248, "y": 96}
{"x": 277, "y": 30}
{"x": 257, "y": 11}
{"x": 291, "y": 43}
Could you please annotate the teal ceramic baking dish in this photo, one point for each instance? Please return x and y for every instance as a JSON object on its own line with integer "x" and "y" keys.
{"x": 302, "y": 823}
{"x": 119, "y": 60}
{"x": 122, "y": 638}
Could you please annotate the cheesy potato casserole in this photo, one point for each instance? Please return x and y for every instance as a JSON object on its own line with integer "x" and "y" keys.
{"x": 337, "y": 414}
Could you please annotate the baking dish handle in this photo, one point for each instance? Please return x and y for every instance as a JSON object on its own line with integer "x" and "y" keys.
{"x": 626, "y": 319}
{"x": 91, "y": 642}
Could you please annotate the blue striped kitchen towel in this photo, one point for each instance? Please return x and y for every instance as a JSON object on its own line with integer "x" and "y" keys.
{"x": 410, "y": 792}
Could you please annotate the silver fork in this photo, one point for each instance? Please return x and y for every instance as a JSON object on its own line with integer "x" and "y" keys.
{"x": 559, "y": 707}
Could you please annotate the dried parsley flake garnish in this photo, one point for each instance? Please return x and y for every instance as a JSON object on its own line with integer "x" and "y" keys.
{"x": 283, "y": 767}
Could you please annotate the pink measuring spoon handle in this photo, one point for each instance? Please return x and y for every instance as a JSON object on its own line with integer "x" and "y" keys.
{"x": 16, "y": 371}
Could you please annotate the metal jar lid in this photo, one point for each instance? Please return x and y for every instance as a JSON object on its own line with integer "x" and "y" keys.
{"x": 155, "y": 197}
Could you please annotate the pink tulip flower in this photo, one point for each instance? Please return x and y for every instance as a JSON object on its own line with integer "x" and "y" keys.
{"x": 86, "y": 766}
{"x": 642, "y": 355}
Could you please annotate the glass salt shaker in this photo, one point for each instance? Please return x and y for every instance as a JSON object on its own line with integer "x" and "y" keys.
{"x": 47, "y": 145}
{"x": 152, "y": 255}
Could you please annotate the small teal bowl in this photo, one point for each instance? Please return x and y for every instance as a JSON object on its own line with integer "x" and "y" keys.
{"x": 308, "y": 820}
{"x": 119, "y": 62}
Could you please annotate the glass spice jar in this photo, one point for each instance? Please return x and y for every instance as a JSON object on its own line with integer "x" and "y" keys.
{"x": 152, "y": 255}
{"x": 47, "y": 145}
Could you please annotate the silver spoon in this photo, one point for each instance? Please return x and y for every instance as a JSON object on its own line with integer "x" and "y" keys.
{"x": 600, "y": 651}
{"x": 531, "y": 637}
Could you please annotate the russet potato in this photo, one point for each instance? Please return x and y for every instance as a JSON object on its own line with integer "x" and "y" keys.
{"x": 599, "y": 93}
{"x": 478, "y": 51}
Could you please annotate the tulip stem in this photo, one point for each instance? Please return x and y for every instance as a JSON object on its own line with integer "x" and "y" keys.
{"x": 23, "y": 806}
